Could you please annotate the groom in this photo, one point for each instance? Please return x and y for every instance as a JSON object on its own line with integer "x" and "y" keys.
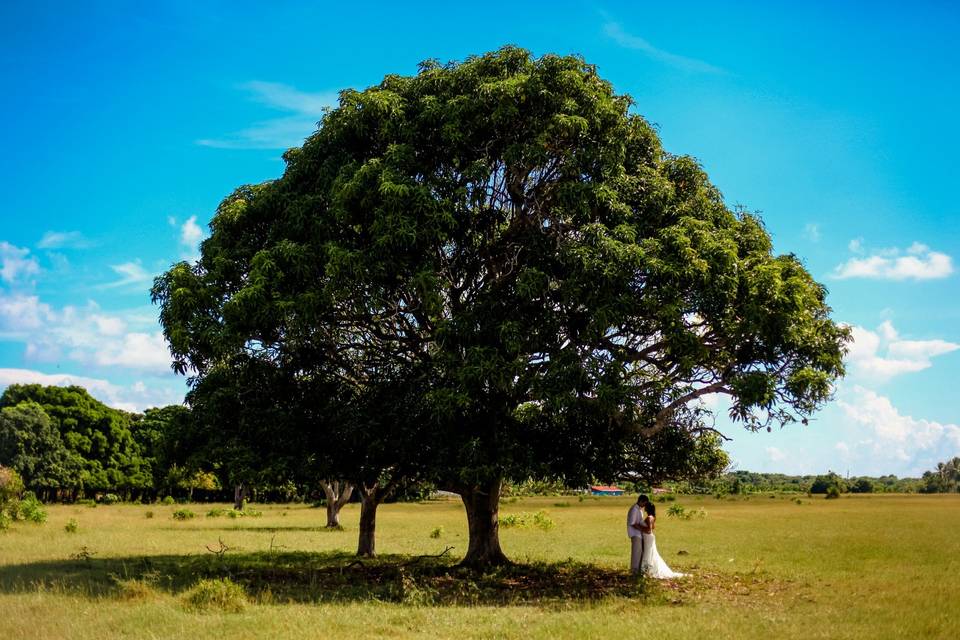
{"x": 635, "y": 530}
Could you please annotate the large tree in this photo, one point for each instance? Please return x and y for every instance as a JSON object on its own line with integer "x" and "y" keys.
{"x": 510, "y": 226}
{"x": 30, "y": 444}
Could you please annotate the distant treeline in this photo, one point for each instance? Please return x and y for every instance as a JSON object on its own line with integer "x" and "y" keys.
{"x": 942, "y": 480}
{"x": 66, "y": 445}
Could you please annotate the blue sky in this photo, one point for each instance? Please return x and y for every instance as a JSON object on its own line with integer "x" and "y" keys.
{"x": 124, "y": 124}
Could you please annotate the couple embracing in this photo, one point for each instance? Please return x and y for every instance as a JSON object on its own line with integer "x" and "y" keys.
{"x": 644, "y": 557}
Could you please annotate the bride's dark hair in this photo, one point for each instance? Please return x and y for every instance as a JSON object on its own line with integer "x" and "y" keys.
{"x": 651, "y": 509}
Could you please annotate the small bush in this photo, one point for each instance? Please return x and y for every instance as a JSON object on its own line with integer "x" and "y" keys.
{"x": 221, "y": 594}
{"x": 677, "y": 511}
{"x": 86, "y": 502}
{"x": 135, "y": 589}
{"x": 30, "y": 509}
{"x": 5, "y": 520}
{"x": 524, "y": 520}
{"x": 234, "y": 513}
{"x": 11, "y": 485}
{"x": 409, "y": 592}
{"x": 148, "y": 515}
{"x": 436, "y": 533}
{"x": 168, "y": 500}
{"x": 833, "y": 493}
{"x": 110, "y": 498}
{"x": 561, "y": 505}
{"x": 72, "y": 526}
{"x": 183, "y": 514}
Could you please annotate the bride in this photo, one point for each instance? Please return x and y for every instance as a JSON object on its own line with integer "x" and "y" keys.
{"x": 651, "y": 564}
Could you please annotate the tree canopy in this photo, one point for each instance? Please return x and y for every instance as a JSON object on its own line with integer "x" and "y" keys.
{"x": 509, "y": 233}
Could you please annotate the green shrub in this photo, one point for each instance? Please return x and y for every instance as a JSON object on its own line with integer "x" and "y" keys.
{"x": 183, "y": 514}
{"x": 234, "y": 513}
{"x": 168, "y": 500}
{"x": 561, "y": 505}
{"x": 86, "y": 502}
{"x": 677, "y": 511}
{"x": 72, "y": 526}
{"x": 5, "y": 520}
{"x": 148, "y": 515}
{"x": 31, "y": 510}
{"x": 221, "y": 594}
{"x": 833, "y": 493}
{"x": 525, "y": 520}
{"x": 822, "y": 484}
{"x": 436, "y": 533}
{"x": 110, "y": 498}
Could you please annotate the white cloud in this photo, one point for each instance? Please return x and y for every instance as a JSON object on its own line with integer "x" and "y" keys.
{"x": 812, "y": 232}
{"x": 129, "y": 398}
{"x": 913, "y": 443}
{"x": 136, "y": 351}
{"x": 131, "y": 273}
{"x": 775, "y": 455}
{"x": 16, "y": 263}
{"x": 63, "y": 240}
{"x": 190, "y": 236}
{"x": 190, "y": 232}
{"x": 304, "y": 109}
{"x": 882, "y": 354}
{"x": 86, "y": 335}
{"x": 20, "y": 314}
{"x": 917, "y": 262}
{"x": 616, "y": 33}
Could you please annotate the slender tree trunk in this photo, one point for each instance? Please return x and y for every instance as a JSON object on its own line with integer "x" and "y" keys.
{"x": 483, "y": 511}
{"x": 239, "y": 493}
{"x": 369, "y": 501}
{"x": 371, "y": 497}
{"x": 338, "y": 493}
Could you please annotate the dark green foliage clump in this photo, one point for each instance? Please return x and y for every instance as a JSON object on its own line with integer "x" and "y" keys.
{"x": 72, "y": 441}
{"x": 823, "y": 484}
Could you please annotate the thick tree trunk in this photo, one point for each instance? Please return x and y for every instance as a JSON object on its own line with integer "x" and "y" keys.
{"x": 338, "y": 493}
{"x": 239, "y": 493}
{"x": 483, "y": 512}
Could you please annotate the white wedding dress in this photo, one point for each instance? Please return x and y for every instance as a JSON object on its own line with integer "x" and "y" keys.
{"x": 651, "y": 564}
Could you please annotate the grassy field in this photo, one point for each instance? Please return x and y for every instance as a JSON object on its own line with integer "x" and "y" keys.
{"x": 763, "y": 567}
